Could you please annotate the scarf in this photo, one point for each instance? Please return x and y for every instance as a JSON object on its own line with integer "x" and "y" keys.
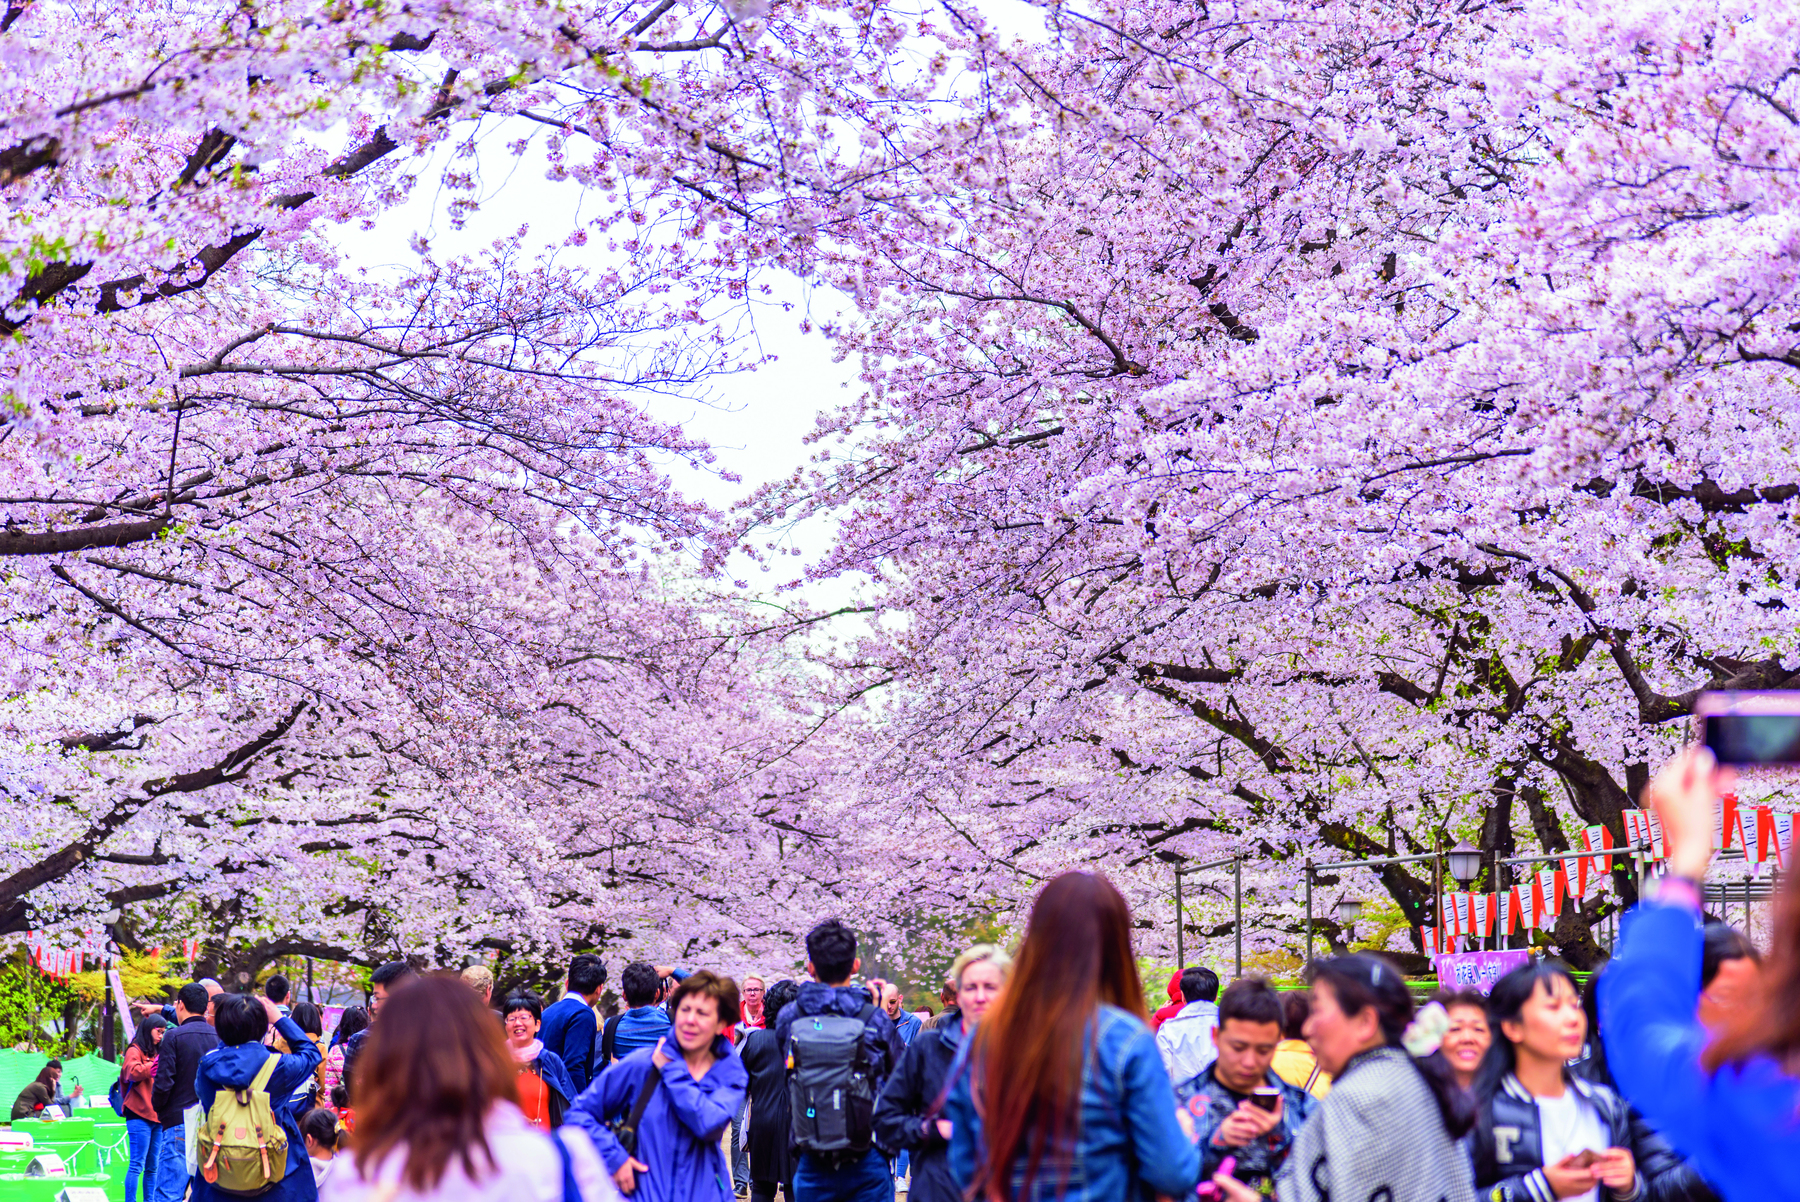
{"x": 529, "y": 1052}
{"x": 1377, "y": 1135}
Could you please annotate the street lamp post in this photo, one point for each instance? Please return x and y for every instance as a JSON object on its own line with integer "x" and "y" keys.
{"x": 1348, "y": 911}
{"x": 1465, "y": 866}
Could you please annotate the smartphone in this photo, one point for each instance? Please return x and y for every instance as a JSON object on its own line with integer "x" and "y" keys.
{"x": 1266, "y": 1097}
{"x": 1747, "y": 729}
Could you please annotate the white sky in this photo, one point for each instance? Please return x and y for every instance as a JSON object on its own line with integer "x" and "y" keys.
{"x": 756, "y": 421}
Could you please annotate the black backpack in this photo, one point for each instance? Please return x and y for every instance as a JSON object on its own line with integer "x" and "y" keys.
{"x": 831, "y": 1084}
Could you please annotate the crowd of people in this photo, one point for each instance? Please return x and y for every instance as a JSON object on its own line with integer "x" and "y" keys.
{"x": 1044, "y": 1076}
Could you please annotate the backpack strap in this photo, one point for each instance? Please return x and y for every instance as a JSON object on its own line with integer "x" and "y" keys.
{"x": 260, "y": 1082}
{"x": 571, "y": 1189}
{"x": 609, "y": 1039}
{"x": 1311, "y": 1077}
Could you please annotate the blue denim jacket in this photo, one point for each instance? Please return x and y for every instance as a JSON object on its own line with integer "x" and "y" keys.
{"x": 1129, "y": 1139}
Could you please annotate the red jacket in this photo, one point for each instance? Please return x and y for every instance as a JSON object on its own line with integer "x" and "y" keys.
{"x": 139, "y": 1072}
{"x": 1176, "y": 1002}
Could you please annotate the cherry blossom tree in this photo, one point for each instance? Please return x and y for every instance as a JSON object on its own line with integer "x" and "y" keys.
{"x": 1311, "y": 431}
{"x": 290, "y": 542}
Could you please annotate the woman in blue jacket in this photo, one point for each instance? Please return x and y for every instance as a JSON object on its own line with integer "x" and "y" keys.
{"x": 1076, "y": 1104}
{"x": 242, "y": 1020}
{"x": 1733, "y": 1107}
{"x": 695, "y": 1091}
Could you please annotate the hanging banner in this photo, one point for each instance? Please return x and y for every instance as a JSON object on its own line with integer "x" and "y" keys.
{"x": 1725, "y": 835}
{"x": 1484, "y": 915}
{"x": 1428, "y": 939}
{"x": 1548, "y": 888}
{"x": 122, "y": 1004}
{"x": 1478, "y": 970}
{"x": 1509, "y": 912}
{"x": 1465, "y": 914}
{"x": 1659, "y": 847}
{"x": 1598, "y": 838}
{"x": 1746, "y": 834}
{"x": 1574, "y": 874}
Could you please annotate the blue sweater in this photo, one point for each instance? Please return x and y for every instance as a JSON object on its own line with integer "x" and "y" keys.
{"x": 1128, "y": 1137}
{"x": 235, "y": 1068}
{"x": 682, "y": 1125}
{"x": 1740, "y": 1125}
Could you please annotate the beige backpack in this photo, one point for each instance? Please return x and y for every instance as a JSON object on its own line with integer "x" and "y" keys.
{"x": 242, "y": 1148}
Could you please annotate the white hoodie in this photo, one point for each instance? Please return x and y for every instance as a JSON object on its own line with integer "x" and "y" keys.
{"x": 527, "y": 1169}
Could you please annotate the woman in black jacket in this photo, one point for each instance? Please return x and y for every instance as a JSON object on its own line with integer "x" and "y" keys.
{"x": 771, "y": 1160}
{"x": 1543, "y": 1133}
{"x": 906, "y": 1111}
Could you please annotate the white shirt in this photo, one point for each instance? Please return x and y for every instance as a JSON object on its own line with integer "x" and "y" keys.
{"x": 1570, "y": 1124}
{"x": 526, "y": 1169}
{"x": 1185, "y": 1041}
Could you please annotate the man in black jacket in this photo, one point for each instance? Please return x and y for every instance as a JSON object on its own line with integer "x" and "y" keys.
{"x": 859, "y": 1172}
{"x": 178, "y": 1059}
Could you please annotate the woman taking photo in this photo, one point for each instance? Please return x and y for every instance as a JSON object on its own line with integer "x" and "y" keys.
{"x": 545, "y": 1087}
{"x": 905, "y": 1113}
{"x": 692, "y": 1082}
{"x": 1390, "y": 1125}
{"x": 142, "y": 1129}
{"x": 1541, "y": 1131}
{"x": 1066, "y": 1096}
{"x": 438, "y": 1113}
{"x": 1729, "y": 1104}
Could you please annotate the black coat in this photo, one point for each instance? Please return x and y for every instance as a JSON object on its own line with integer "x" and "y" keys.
{"x": 900, "y": 1112}
{"x": 1513, "y": 1164}
{"x": 177, "y": 1062}
{"x": 770, "y": 1158}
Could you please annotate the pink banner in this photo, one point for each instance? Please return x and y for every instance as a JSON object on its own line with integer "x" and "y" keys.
{"x": 1478, "y": 970}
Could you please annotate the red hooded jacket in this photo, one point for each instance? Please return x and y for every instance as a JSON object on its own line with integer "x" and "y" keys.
{"x": 1176, "y": 1002}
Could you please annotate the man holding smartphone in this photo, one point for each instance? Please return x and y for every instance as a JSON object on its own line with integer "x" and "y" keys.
{"x": 1238, "y": 1107}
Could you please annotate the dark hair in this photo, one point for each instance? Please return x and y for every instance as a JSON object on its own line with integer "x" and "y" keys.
{"x": 1508, "y": 998}
{"x": 1249, "y": 1000}
{"x": 639, "y": 983}
{"x": 306, "y": 1016}
{"x": 523, "y": 1001}
{"x": 352, "y": 1020}
{"x": 1360, "y": 981}
{"x": 192, "y": 997}
{"x": 947, "y": 995}
{"x": 239, "y": 1018}
{"x": 587, "y": 972}
{"x": 776, "y": 998}
{"x": 52, "y": 1069}
{"x": 431, "y": 1070}
{"x": 276, "y": 987}
{"x": 1077, "y": 951}
{"x": 143, "y": 1038}
{"x": 1460, "y": 997}
{"x": 831, "y": 946}
{"x": 1720, "y": 942}
{"x": 392, "y": 971}
{"x": 722, "y": 990}
{"x": 1296, "y": 1008}
{"x": 322, "y": 1127}
{"x": 1199, "y": 985}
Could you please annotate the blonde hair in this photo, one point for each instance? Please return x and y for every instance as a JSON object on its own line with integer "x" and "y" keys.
{"x": 478, "y": 977}
{"x": 991, "y": 953}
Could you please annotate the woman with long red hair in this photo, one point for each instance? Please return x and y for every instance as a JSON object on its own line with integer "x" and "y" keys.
{"x": 1065, "y": 1095}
